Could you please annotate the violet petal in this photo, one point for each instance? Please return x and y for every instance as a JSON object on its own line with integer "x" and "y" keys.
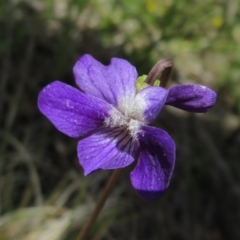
{"x": 110, "y": 83}
{"x": 191, "y": 97}
{"x": 106, "y": 148}
{"x": 155, "y": 165}
{"x": 71, "y": 111}
{"x": 150, "y": 101}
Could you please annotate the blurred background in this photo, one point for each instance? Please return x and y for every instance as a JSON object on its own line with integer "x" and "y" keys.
{"x": 43, "y": 193}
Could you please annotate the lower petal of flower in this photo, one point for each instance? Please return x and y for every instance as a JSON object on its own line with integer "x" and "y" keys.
{"x": 155, "y": 165}
{"x": 107, "y": 148}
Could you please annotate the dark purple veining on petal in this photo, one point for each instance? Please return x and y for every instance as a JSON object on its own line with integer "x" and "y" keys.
{"x": 103, "y": 150}
{"x": 152, "y": 174}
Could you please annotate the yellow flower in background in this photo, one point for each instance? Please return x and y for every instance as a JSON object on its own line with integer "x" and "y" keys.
{"x": 151, "y": 6}
{"x": 154, "y": 6}
{"x": 217, "y": 21}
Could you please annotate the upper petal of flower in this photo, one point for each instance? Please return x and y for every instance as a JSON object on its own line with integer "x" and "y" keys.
{"x": 71, "y": 111}
{"x": 149, "y": 102}
{"x": 155, "y": 165}
{"x": 106, "y": 148}
{"x": 191, "y": 97}
{"x": 110, "y": 83}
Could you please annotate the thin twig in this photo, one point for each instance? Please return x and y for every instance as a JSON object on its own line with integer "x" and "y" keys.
{"x": 100, "y": 204}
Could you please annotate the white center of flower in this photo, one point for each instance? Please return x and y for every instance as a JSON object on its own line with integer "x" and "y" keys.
{"x": 129, "y": 116}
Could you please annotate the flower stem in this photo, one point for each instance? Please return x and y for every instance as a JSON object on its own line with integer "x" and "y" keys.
{"x": 161, "y": 69}
{"x": 99, "y": 205}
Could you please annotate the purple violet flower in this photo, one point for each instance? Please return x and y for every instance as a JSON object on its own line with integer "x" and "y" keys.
{"x": 111, "y": 119}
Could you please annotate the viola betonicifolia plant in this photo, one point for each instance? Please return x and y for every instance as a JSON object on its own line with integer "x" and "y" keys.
{"x": 110, "y": 113}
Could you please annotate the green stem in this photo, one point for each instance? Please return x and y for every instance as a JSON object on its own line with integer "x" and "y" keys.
{"x": 99, "y": 205}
